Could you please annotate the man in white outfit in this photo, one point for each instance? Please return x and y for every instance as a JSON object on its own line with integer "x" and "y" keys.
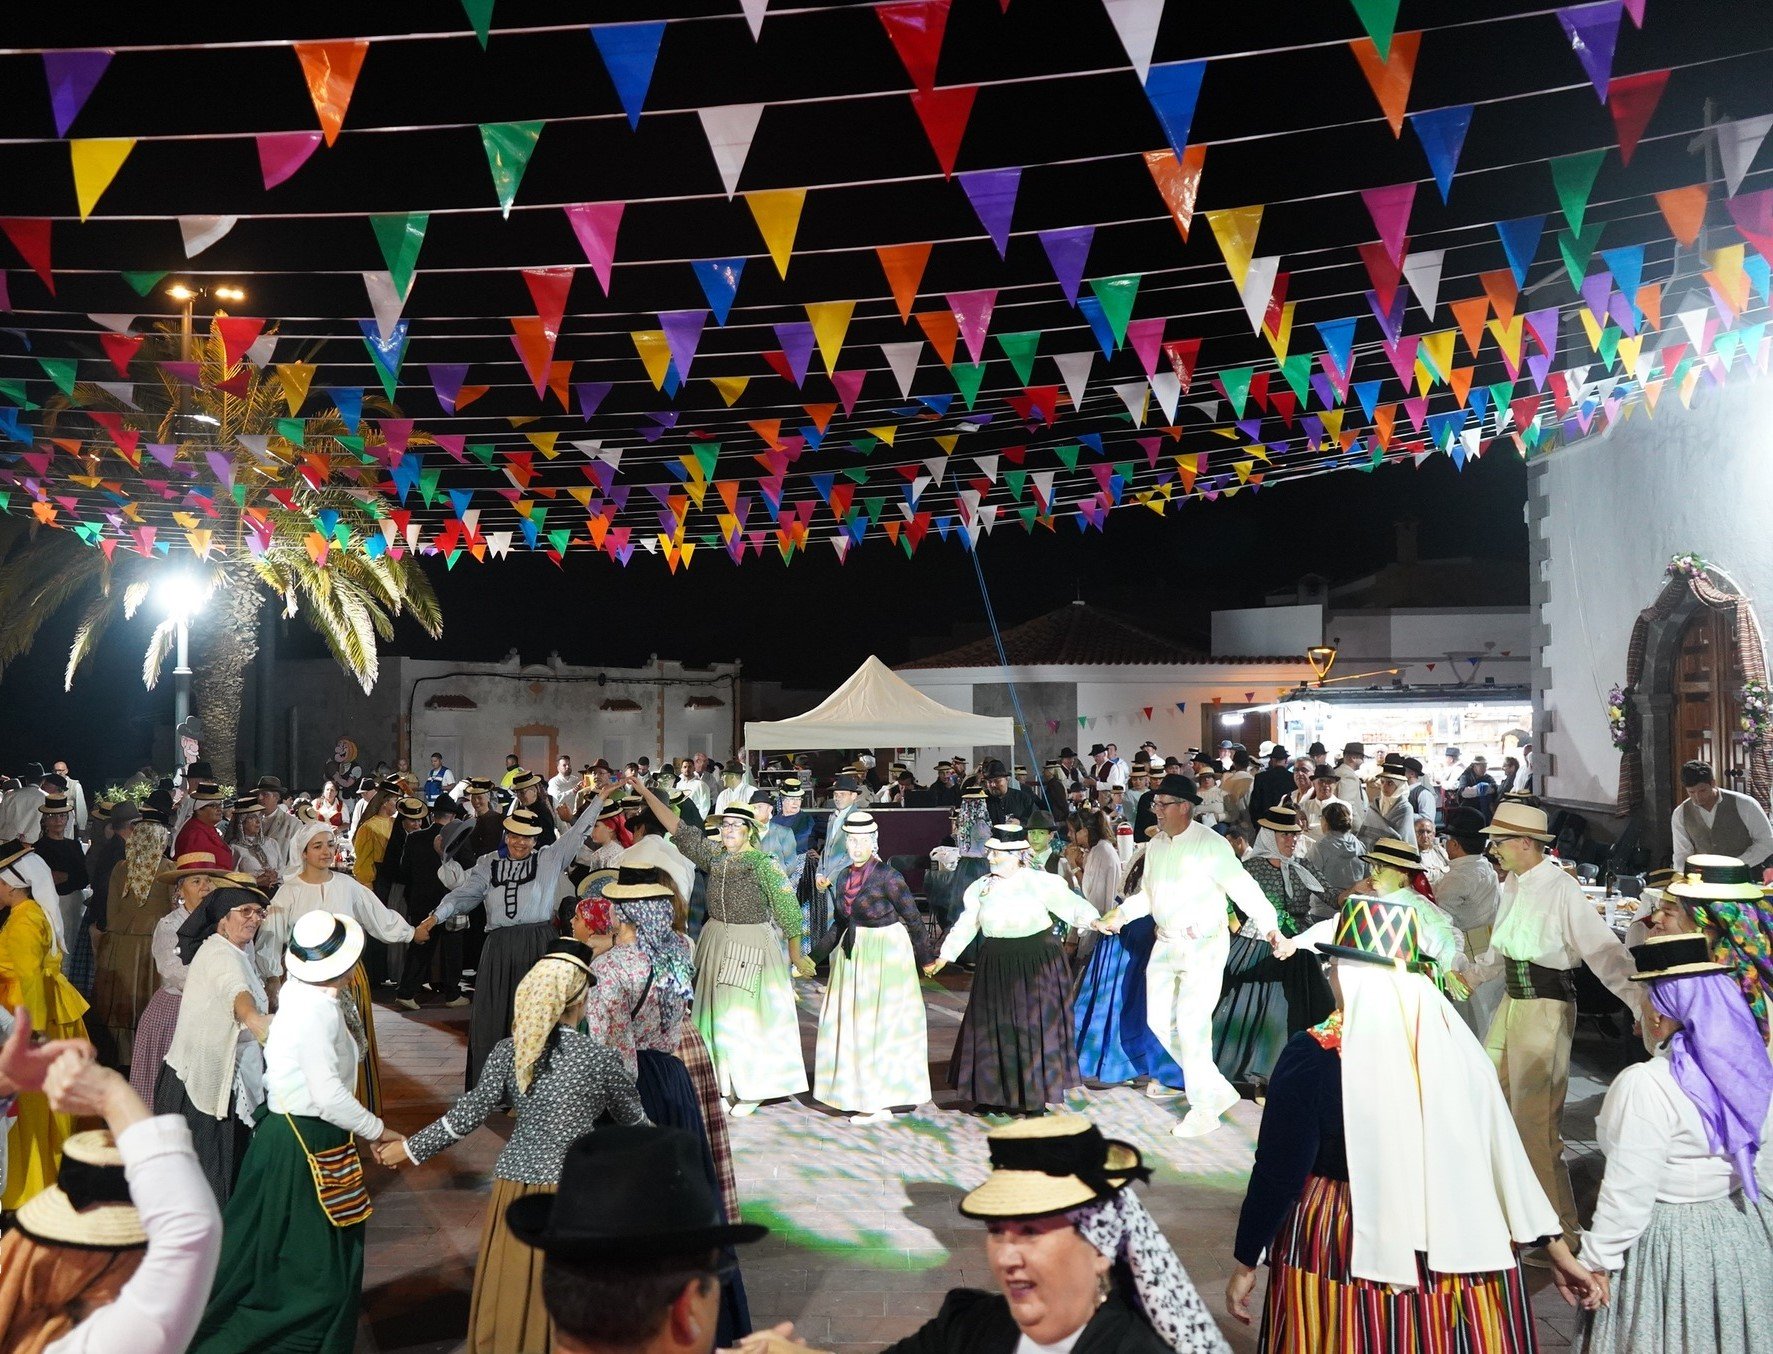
{"x": 1190, "y": 872}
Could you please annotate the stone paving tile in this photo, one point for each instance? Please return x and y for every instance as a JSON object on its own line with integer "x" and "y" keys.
{"x": 866, "y": 1238}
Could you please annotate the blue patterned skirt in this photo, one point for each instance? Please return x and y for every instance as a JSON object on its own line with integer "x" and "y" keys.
{"x": 1113, "y": 1041}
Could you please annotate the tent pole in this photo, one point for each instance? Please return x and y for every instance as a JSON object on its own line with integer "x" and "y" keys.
{"x": 1003, "y": 661}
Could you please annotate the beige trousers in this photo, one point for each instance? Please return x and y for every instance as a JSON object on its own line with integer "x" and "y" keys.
{"x": 1529, "y": 1043}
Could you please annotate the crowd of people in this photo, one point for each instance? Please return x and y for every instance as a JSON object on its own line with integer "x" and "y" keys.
{"x": 1383, "y": 956}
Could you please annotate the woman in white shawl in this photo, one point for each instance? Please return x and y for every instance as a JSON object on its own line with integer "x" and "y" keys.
{"x": 314, "y": 886}
{"x": 1390, "y": 1191}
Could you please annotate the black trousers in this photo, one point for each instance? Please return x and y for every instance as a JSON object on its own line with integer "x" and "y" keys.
{"x": 442, "y": 952}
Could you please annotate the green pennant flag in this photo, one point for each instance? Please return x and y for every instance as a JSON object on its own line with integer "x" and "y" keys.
{"x": 449, "y": 560}
{"x": 1501, "y": 396}
{"x": 1578, "y": 249}
{"x": 1125, "y": 471}
{"x": 1019, "y": 348}
{"x": 968, "y": 377}
{"x": 865, "y": 443}
{"x": 1297, "y": 370}
{"x": 482, "y": 452}
{"x": 1573, "y": 176}
{"x": 13, "y": 388}
{"x": 508, "y": 148}
{"x": 389, "y": 382}
{"x": 293, "y": 430}
{"x": 356, "y": 445}
{"x": 372, "y": 506}
{"x": 61, "y": 370}
{"x": 561, "y": 537}
{"x": 538, "y": 517}
{"x": 5, "y": 499}
{"x": 1068, "y": 455}
{"x": 400, "y": 235}
{"x": 143, "y": 283}
{"x": 1116, "y": 296}
{"x": 240, "y": 494}
{"x": 874, "y": 507}
{"x": 428, "y": 484}
{"x": 1028, "y": 516}
{"x": 706, "y": 454}
{"x": 857, "y": 473}
{"x": 1377, "y": 461}
{"x": 479, "y": 14}
{"x": 1609, "y": 348}
{"x": 1378, "y": 17}
{"x": 1236, "y": 381}
{"x": 1017, "y": 480}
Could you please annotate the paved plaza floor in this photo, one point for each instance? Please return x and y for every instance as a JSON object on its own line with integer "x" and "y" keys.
{"x": 865, "y": 1236}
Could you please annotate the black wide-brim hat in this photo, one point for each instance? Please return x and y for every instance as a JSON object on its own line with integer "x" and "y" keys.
{"x": 1178, "y": 787}
{"x": 628, "y": 1193}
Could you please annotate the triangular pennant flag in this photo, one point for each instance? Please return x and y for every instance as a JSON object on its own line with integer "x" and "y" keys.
{"x": 121, "y": 349}
{"x": 595, "y": 224}
{"x": 96, "y": 163}
{"x": 942, "y": 330}
{"x": 331, "y": 70}
{"x": 720, "y": 283}
{"x": 144, "y": 282}
{"x": 1470, "y": 312}
{"x": 1520, "y": 242}
{"x": 797, "y": 342}
{"x": 830, "y": 321}
{"x": 629, "y": 52}
{"x": 1389, "y": 76}
{"x": 1442, "y": 134}
{"x": 1573, "y": 176}
{"x": 944, "y": 113}
{"x": 1174, "y": 90}
{"x": 993, "y": 195}
{"x": 730, "y": 129}
{"x": 548, "y": 288}
{"x": 1067, "y": 250}
{"x": 972, "y": 313}
{"x": 1632, "y": 101}
{"x": 534, "y": 342}
{"x": 1684, "y": 210}
{"x": 295, "y": 377}
{"x": 777, "y": 213}
{"x": 1338, "y": 340}
{"x": 1379, "y": 18}
{"x": 1235, "y": 229}
{"x": 479, "y": 14}
{"x": 1738, "y": 143}
{"x": 903, "y": 265}
{"x": 1592, "y": 31}
{"x": 1019, "y": 348}
{"x": 1390, "y": 210}
{"x": 72, "y": 76}
{"x": 282, "y": 153}
{"x": 1577, "y": 247}
{"x": 916, "y": 29}
{"x": 385, "y": 302}
{"x": 237, "y": 333}
{"x": 200, "y": 232}
{"x": 683, "y": 332}
{"x": 509, "y": 146}
{"x": 902, "y": 358}
{"x": 30, "y": 236}
{"x": 1178, "y": 182}
{"x": 1135, "y": 24}
{"x": 401, "y": 235}
{"x": 1423, "y": 273}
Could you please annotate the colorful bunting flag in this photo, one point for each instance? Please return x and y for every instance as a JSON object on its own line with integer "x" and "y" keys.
{"x": 777, "y": 213}
{"x": 331, "y": 70}
{"x": 1174, "y": 89}
{"x": 944, "y": 113}
{"x": 1441, "y": 132}
{"x": 730, "y": 129}
{"x": 903, "y": 265}
{"x": 1632, "y": 100}
{"x": 1738, "y": 144}
{"x": 1178, "y": 182}
{"x": 1593, "y": 30}
{"x": 720, "y": 284}
{"x": 1389, "y": 75}
{"x": 72, "y": 76}
{"x": 282, "y": 153}
{"x": 916, "y": 29}
{"x": 401, "y": 236}
{"x": 595, "y": 224}
{"x": 96, "y": 163}
{"x": 1573, "y": 177}
{"x": 629, "y": 52}
{"x": 993, "y": 195}
{"x": 509, "y": 146}
{"x": 30, "y": 236}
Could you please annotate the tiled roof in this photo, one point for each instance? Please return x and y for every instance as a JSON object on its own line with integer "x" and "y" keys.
{"x": 1074, "y": 634}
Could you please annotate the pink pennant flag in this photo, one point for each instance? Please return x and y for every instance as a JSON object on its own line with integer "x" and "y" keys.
{"x": 1390, "y": 209}
{"x": 972, "y": 309}
{"x": 1147, "y": 340}
{"x": 282, "y": 153}
{"x": 596, "y": 223}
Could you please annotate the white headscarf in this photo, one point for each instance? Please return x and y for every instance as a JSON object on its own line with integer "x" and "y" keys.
{"x": 1295, "y": 878}
{"x": 1435, "y": 1162}
{"x": 301, "y": 839}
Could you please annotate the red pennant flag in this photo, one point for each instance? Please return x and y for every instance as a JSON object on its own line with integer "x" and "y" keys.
{"x": 1632, "y": 100}
{"x": 1182, "y": 354}
{"x": 30, "y": 236}
{"x": 237, "y": 333}
{"x": 944, "y": 114}
{"x": 904, "y": 265}
{"x": 236, "y": 385}
{"x": 548, "y": 288}
{"x": 1384, "y": 271}
{"x": 916, "y": 31}
{"x": 120, "y": 348}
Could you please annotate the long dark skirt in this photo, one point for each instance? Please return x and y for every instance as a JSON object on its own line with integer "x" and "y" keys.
{"x": 1264, "y": 1002}
{"x": 669, "y": 1098}
{"x": 1015, "y": 1048}
{"x": 1113, "y": 1041}
{"x": 288, "y": 1280}
{"x": 509, "y": 953}
{"x": 220, "y": 1143}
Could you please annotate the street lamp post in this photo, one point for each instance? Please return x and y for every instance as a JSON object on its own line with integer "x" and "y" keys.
{"x": 182, "y": 596}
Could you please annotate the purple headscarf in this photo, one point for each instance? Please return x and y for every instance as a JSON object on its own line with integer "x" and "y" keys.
{"x": 1719, "y": 1059}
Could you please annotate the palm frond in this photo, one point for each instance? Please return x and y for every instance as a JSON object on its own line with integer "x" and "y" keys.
{"x": 133, "y": 597}
{"x": 159, "y": 648}
{"x": 100, "y": 611}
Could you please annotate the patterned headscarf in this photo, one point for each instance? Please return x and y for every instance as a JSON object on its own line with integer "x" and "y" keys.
{"x": 1741, "y": 932}
{"x": 143, "y": 858}
{"x": 547, "y": 989}
{"x": 674, "y": 969}
{"x": 1120, "y": 1228}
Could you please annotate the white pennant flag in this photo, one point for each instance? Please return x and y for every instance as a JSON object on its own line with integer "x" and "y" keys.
{"x": 988, "y": 516}
{"x": 987, "y": 467}
{"x": 729, "y": 129}
{"x": 937, "y": 466}
{"x": 1738, "y": 142}
{"x": 200, "y": 232}
{"x": 498, "y": 544}
{"x": 117, "y": 324}
{"x": 1167, "y": 386}
{"x": 1259, "y": 287}
{"x": 386, "y": 301}
{"x": 754, "y": 12}
{"x": 121, "y": 391}
{"x": 1423, "y": 273}
{"x": 1135, "y": 395}
{"x": 902, "y": 358}
{"x": 841, "y": 544}
{"x": 1135, "y": 22}
{"x": 1075, "y": 368}
{"x": 260, "y": 352}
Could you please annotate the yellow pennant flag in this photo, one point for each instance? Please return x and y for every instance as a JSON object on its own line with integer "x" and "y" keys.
{"x": 96, "y": 162}
{"x": 947, "y": 442}
{"x": 1630, "y": 350}
{"x": 1437, "y": 348}
{"x": 730, "y": 387}
{"x": 1235, "y": 229}
{"x": 1591, "y": 326}
{"x": 655, "y": 354}
{"x": 295, "y": 378}
{"x": 1509, "y": 338}
{"x": 830, "y": 321}
{"x": 886, "y": 433}
{"x": 777, "y": 214}
{"x": 544, "y": 443}
{"x": 1282, "y": 338}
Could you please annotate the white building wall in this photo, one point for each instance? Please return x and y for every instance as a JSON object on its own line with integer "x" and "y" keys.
{"x": 1265, "y": 631}
{"x": 1608, "y": 514}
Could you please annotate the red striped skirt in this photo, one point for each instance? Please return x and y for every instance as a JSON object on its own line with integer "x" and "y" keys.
{"x": 1314, "y": 1304}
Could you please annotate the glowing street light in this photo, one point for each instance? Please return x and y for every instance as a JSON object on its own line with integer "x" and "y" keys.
{"x": 187, "y": 296}
{"x": 181, "y": 595}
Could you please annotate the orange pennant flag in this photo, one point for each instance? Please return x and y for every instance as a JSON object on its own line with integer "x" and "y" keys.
{"x": 1649, "y": 303}
{"x": 535, "y": 345}
{"x": 1390, "y": 79}
{"x": 904, "y": 265}
{"x": 331, "y": 69}
{"x": 1178, "y": 182}
{"x": 1471, "y": 314}
{"x": 941, "y": 329}
{"x": 1502, "y": 290}
{"x": 1684, "y": 210}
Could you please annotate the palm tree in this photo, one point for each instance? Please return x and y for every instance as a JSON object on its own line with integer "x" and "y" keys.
{"x": 257, "y": 547}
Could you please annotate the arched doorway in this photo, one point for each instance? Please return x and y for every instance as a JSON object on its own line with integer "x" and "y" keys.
{"x": 1707, "y": 686}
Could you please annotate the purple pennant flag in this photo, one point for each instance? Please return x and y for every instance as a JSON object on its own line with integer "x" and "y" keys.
{"x": 1327, "y": 389}
{"x": 1391, "y": 321}
{"x": 1593, "y": 30}
{"x": 163, "y": 452}
{"x": 993, "y": 195}
{"x": 1595, "y": 290}
{"x": 72, "y": 77}
{"x": 618, "y": 494}
{"x": 1542, "y": 327}
{"x": 796, "y": 339}
{"x": 1067, "y": 250}
{"x": 191, "y": 373}
{"x": 590, "y": 394}
{"x": 1538, "y": 366}
{"x": 1623, "y": 311}
{"x": 223, "y": 466}
{"x": 683, "y": 331}
{"x": 446, "y": 380}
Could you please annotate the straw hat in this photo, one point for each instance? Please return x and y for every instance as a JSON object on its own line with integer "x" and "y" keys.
{"x": 55, "y": 804}
{"x": 1716, "y": 877}
{"x": 1520, "y": 820}
{"x": 523, "y": 780}
{"x": 593, "y": 884}
{"x": 322, "y": 946}
{"x": 195, "y": 862}
{"x": 1280, "y": 818}
{"x": 637, "y": 881}
{"x": 1390, "y": 851}
{"x": 740, "y": 813}
{"x": 88, "y": 1207}
{"x": 1049, "y": 1165}
{"x": 413, "y": 809}
{"x": 1681, "y": 955}
{"x": 247, "y": 804}
{"x": 523, "y": 823}
{"x": 207, "y": 792}
{"x": 1007, "y": 836}
{"x": 861, "y": 822}
{"x": 480, "y": 785}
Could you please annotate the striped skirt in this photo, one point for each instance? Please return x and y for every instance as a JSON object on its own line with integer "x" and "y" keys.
{"x": 693, "y": 1054}
{"x": 1315, "y": 1305}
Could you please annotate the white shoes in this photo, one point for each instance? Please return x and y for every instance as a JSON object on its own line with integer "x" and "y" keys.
{"x": 406, "y": 1003}
{"x": 1156, "y": 1090}
{"x": 739, "y": 1109}
{"x": 877, "y": 1117}
{"x": 1202, "y": 1120}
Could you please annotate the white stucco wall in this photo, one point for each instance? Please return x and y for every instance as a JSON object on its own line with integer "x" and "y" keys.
{"x": 1415, "y": 637}
{"x": 1610, "y": 511}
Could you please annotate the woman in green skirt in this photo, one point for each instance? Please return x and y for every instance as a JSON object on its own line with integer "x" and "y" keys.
{"x": 291, "y": 1272}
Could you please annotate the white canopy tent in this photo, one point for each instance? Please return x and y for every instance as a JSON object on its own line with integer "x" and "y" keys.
{"x": 878, "y": 708}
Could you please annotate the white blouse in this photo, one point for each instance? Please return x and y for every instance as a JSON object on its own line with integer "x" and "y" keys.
{"x": 206, "y": 1040}
{"x": 341, "y": 894}
{"x": 165, "y": 949}
{"x": 1101, "y": 876}
{"x": 1022, "y": 904}
{"x": 311, "y": 1061}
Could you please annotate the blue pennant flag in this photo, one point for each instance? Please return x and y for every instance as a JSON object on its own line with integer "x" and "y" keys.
{"x": 1174, "y": 88}
{"x": 1442, "y": 134}
{"x": 1520, "y": 241}
{"x": 1338, "y": 337}
{"x": 629, "y": 51}
{"x": 720, "y": 283}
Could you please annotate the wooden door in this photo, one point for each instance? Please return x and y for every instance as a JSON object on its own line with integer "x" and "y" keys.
{"x": 1707, "y": 683}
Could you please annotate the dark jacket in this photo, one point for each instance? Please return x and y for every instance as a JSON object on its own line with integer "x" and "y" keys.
{"x": 972, "y": 1322}
{"x": 1270, "y": 787}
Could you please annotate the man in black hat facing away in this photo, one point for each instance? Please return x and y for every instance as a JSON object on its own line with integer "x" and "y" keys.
{"x": 636, "y": 1245}
{"x": 1007, "y": 800}
{"x": 1272, "y": 784}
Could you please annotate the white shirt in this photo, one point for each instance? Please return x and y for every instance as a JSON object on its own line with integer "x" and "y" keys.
{"x": 1545, "y": 918}
{"x": 77, "y": 793}
{"x": 253, "y": 854}
{"x": 1186, "y": 882}
{"x": 1023, "y": 903}
{"x": 1101, "y": 876}
{"x": 695, "y": 789}
{"x": 206, "y": 1040}
{"x": 159, "y": 1307}
{"x": 662, "y": 853}
{"x": 1435, "y": 865}
{"x": 165, "y": 949}
{"x": 559, "y": 787}
{"x": 36, "y": 872}
{"x": 1469, "y": 892}
{"x": 739, "y": 794}
{"x": 1657, "y": 1152}
{"x": 296, "y": 898}
{"x": 1115, "y": 774}
{"x": 1754, "y": 818}
{"x": 279, "y": 825}
{"x": 311, "y": 1061}
{"x": 18, "y": 814}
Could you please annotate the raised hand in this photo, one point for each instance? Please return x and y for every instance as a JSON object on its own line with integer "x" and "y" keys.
{"x": 23, "y": 1065}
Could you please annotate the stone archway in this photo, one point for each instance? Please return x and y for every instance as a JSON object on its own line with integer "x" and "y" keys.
{"x": 1700, "y": 607}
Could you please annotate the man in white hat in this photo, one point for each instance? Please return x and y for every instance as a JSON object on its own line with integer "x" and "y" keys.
{"x": 1715, "y": 822}
{"x": 1545, "y": 928}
